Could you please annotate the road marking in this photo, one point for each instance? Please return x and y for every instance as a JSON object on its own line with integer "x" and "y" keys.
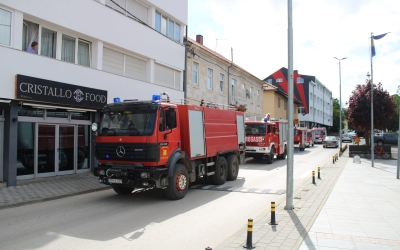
{"x": 239, "y": 189}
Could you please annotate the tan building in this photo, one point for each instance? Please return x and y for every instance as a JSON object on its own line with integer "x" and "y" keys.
{"x": 213, "y": 78}
{"x": 276, "y": 102}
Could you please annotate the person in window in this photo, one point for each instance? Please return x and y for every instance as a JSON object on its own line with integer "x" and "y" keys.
{"x": 33, "y": 48}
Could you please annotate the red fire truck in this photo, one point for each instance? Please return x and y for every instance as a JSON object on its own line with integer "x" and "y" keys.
{"x": 158, "y": 144}
{"x": 320, "y": 134}
{"x": 300, "y": 138}
{"x": 266, "y": 139}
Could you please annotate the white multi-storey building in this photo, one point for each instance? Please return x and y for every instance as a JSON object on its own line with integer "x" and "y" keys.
{"x": 89, "y": 52}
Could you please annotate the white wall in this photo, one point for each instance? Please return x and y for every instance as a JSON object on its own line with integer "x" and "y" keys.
{"x": 13, "y": 62}
{"x": 99, "y": 22}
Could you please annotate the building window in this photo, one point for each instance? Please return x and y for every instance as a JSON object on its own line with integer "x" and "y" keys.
{"x": 195, "y": 76}
{"x": 221, "y": 83}
{"x": 258, "y": 97}
{"x": 177, "y": 32}
{"x": 68, "y": 49}
{"x": 279, "y": 102}
{"x": 279, "y": 80}
{"x": 5, "y": 27}
{"x": 172, "y": 30}
{"x": 269, "y": 81}
{"x": 251, "y": 93}
{"x": 209, "y": 78}
{"x": 233, "y": 90}
{"x": 167, "y": 77}
{"x": 83, "y": 53}
{"x": 129, "y": 8}
{"x": 300, "y": 80}
{"x": 243, "y": 90}
{"x": 285, "y": 105}
{"x": 48, "y": 43}
{"x": 125, "y": 65}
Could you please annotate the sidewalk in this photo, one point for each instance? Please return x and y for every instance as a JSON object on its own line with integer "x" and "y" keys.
{"x": 354, "y": 206}
{"x": 44, "y": 189}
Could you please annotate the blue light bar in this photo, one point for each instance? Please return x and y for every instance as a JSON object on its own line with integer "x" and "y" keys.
{"x": 156, "y": 98}
{"x": 117, "y": 100}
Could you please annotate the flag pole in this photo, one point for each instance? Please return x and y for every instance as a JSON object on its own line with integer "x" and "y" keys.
{"x": 372, "y": 106}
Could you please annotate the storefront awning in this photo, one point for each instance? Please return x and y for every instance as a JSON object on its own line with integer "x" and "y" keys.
{"x": 40, "y": 106}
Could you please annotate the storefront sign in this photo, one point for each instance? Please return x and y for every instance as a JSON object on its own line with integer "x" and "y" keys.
{"x": 36, "y": 89}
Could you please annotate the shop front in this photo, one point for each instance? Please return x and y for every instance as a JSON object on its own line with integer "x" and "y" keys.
{"x": 53, "y": 135}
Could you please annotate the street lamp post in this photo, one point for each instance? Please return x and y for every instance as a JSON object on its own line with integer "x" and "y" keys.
{"x": 340, "y": 103}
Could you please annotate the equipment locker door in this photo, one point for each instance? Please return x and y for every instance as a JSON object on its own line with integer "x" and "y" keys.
{"x": 240, "y": 130}
{"x": 196, "y": 130}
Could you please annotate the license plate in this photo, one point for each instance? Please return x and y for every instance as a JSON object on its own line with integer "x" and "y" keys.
{"x": 114, "y": 180}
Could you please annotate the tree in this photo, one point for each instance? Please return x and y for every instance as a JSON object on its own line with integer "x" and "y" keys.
{"x": 359, "y": 111}
{"x": 336, "y": 116}
{"x": 393, "y": 123}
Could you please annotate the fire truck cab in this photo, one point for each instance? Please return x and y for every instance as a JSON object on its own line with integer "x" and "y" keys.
{"x": 300, "y": 138}
{"x": 266, "y": 139}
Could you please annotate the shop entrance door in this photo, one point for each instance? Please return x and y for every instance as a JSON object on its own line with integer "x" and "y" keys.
{"x": 55, "y": 150}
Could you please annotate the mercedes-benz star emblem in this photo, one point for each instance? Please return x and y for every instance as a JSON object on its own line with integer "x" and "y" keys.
{"x": 120, "y": 151}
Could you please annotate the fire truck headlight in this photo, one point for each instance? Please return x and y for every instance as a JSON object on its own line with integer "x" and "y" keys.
{"x": 144, "y": 175}
{"x": 101, "y": 172}
{"x": 94, "y": 127}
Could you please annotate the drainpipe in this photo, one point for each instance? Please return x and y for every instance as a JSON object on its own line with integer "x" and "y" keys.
{"x": 229, "y": 83}
{"x": 185, "y": 70}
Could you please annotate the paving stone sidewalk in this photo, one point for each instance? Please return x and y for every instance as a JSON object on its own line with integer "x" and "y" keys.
{"x": 39, "y": 190}
{"x": 293, "y": 225}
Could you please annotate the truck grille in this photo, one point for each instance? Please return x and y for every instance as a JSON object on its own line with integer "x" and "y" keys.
{"x": 128, "y": 152}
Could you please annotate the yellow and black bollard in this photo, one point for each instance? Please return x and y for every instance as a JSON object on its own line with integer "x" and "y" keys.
{"x": 333, "y": 159}
{"x": 249, "y": 242}
{"x": 273, "y": 221}
{"x": 319, "y": 175}
{"x": 313, "y": 177}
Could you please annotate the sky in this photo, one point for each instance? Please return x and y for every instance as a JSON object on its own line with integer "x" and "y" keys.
{"x": 322, "y": 30}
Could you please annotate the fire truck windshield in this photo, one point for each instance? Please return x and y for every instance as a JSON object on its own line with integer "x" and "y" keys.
{"x": 255, "y": 129}
{"x": 127, "y": 122}
{"x": 319, "y": 132}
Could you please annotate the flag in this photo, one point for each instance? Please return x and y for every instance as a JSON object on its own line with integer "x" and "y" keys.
{"x": 372, "y": 42}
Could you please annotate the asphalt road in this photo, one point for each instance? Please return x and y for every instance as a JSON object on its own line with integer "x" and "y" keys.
{"x": 147, "y": 220}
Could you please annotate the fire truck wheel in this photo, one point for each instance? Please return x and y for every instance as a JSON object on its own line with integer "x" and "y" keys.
{"x": 221, "y": 171}
{"x": 270, "y": 157}
{"x": 233, "y": 167}
{"x": 122, "y": 190}
{"x": 178, "y": 183}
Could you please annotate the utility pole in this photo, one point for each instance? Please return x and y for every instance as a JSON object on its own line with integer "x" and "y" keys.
{"x": 290, "y": 144}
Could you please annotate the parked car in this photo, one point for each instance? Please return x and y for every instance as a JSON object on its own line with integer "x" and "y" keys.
{"x": 346, "y": 137}
{"x": 330, "y": 141}
{"x": 352, "y": 134}
{"x": 386, "y": 139}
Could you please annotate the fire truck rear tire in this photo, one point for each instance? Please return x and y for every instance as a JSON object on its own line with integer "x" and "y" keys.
{"x": 221, "y": 171}
{"x": 178, "y": 183}
{"x": 122, "y": 190}
{"x": 283, "y": 155}
{"x": 233, "y": 167}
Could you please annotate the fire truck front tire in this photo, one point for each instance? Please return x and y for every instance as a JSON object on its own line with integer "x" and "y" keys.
{"x": 178, "y": 183}
{"x": 233, "y": 167}
{"x": 122, "y": 190}
{"x": 270, "y": 157}
{"x": 221, "y": 171}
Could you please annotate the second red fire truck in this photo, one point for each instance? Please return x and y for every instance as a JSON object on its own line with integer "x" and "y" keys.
{"x": 266, "y": 139}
